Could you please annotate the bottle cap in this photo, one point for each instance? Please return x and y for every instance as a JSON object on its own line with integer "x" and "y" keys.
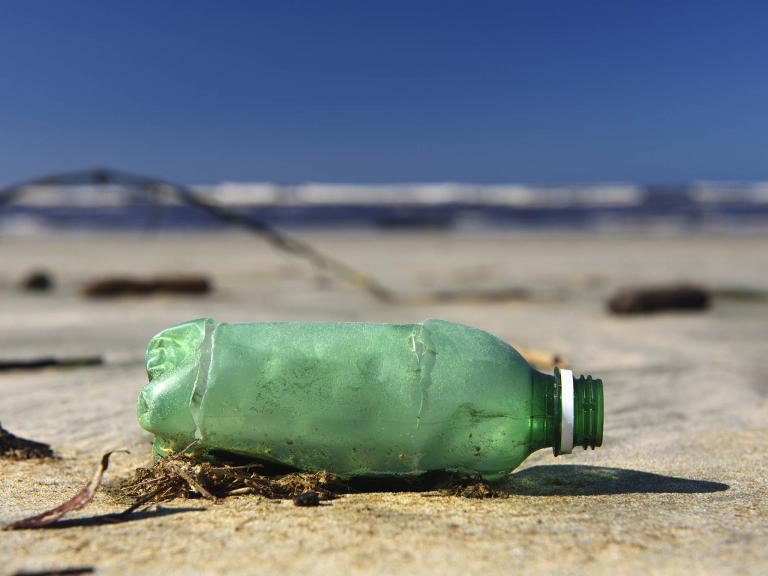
{"x": 566, "y": 411}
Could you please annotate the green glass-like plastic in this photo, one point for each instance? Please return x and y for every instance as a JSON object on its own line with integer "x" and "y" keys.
{"x": 357, "y": 398}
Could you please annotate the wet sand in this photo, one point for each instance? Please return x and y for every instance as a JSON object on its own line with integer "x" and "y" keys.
{"x": 680, "y": 484}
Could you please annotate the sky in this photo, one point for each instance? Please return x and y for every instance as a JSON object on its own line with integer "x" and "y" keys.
{"x": 543, "y": 92}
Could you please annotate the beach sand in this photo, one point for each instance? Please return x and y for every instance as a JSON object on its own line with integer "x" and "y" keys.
{"x": 679, "y": 486}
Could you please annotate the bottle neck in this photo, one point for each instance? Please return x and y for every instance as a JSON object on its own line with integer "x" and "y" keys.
{"x": 566, "y": 411}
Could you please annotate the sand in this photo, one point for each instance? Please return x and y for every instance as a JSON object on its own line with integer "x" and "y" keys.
{"x": 679, "y": 486}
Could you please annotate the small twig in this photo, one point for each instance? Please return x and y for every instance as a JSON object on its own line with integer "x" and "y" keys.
{"x": 194, "y": 483}
{"x": 240, "y": 491}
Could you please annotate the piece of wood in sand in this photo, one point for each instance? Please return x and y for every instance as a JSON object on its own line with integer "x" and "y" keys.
{"x": 121, "y": 286}
{"x": 652, "y": 299}
{"x": 38, "y": 281}
{"x": 41, "y": 362}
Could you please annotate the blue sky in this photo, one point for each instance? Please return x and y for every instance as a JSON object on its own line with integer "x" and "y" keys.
{"x": 540, "y": 91}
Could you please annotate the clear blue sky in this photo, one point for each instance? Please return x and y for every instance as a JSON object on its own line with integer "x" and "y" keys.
{"x": 536, "y": 91}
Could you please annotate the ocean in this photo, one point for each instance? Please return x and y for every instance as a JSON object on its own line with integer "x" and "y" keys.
{"x": 734, "y": 208}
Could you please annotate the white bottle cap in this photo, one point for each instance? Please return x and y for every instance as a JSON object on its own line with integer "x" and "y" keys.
{"x": 566, "y": 411}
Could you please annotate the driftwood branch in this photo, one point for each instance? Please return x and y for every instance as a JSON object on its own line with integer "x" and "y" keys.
{"x": 158, "y": 189}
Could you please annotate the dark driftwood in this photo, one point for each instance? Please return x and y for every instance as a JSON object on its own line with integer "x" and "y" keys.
{"x": 119, "y": 286}
{"x": 69, "y": 571}
{"x": 38, "y": 281}
{"x": 41, "y": 362}
{"x": 650, "y": 299}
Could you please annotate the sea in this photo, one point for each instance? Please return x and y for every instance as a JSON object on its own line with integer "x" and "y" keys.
{"x": 723, "y": 207}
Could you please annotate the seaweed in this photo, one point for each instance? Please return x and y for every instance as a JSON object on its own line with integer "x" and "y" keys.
{"x": 181, "y": 475}
{"x": 185, "y": 475}
{"x": 471, "y": 488}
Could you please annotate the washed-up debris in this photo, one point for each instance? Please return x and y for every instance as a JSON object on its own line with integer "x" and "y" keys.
{"x": 78, "y": 501}
{"x": 310, "y": 498}
{"x": 736, "y": 294}
{"x": 121, "y": 286}
{"x": 38, "y": 281}
{"x": 42, "y": 362}
{"x": 181, "y": 475}
{"x": 14, "y": 448}
{"x": 651, "y": 299}
{"x": 542, "y": 359}
{"x": 70, "y": 571}
{"x": 359, "y": 422}
{"x": 471, "y": 488}
{"x": 503, "y": 294}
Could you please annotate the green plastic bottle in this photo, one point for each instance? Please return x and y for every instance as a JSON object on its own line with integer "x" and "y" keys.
{"x": 361, "y": 398}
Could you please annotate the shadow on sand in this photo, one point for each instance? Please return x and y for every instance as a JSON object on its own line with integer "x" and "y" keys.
{"x": 551, "y": 480}
{"x": 575, "y": 480}
{"x": 119, "y": 518}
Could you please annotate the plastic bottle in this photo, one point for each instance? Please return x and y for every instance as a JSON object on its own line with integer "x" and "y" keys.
{"x": 362, "y": 398}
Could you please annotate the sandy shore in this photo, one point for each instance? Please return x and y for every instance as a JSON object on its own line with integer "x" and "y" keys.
{"x": 680, "y": 485}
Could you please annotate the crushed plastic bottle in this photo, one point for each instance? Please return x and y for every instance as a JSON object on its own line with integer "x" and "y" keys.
{"x": 362, "y": 398}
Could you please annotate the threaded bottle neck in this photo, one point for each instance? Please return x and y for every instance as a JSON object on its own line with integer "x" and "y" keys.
{"x": 560, "y": 422}
{"x": 588, "y": 412}
{"x": 579, "y": 406}
{"x": 566, "y": 412}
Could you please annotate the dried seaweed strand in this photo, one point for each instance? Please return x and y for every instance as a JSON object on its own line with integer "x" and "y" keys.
{"x": 78, "y": 501}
